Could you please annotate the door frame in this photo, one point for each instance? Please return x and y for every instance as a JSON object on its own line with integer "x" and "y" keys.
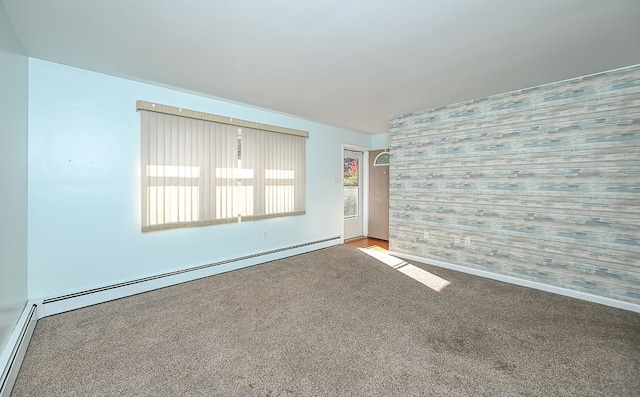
{"x": 364, "y": 185}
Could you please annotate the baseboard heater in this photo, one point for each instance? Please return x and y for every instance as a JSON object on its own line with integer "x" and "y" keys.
{"x": 14, "y": 360}
{"x": 183, "y": 271}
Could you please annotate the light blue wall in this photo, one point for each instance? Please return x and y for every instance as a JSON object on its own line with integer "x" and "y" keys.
{"x": 380, "y": 141}
{"x": 13, "y": 175}
{"x": 84, "y": 201}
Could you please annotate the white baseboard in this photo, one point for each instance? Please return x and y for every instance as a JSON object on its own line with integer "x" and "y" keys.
{"x": 524, "y": 283}
{"x": 55, "y": 305}
{"x": 14, "y": 352}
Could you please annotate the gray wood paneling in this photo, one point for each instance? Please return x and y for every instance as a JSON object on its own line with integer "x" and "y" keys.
{"x": 545, "y": 181}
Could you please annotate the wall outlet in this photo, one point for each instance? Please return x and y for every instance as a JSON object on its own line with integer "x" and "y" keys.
{"x": 467, "y": 241}
{"x": 265, "y": 234}
{"x": 426, "y": 235}
{"x": 456, "y": 240}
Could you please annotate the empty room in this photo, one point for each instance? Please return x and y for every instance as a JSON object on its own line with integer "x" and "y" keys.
{"x": 333, "y": 198}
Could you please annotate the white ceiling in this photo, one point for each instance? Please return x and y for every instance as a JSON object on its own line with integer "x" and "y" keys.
{"x": 348, "y": 63}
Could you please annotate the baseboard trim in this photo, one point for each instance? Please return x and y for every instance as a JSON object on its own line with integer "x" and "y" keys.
{"x": 524, "y": 283}
{"x": 59, "y": 304}
{"x": 17, "y": 347}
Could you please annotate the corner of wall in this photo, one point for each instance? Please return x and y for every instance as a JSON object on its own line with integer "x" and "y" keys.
{"x": 380, "y": 141}
{"x": 13, "y": 173}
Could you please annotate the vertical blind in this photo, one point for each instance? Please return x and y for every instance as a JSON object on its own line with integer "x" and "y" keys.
{"x": 200, "y": 169}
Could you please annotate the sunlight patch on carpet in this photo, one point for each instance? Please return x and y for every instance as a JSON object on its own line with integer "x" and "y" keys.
{"x": 422, "y": 276}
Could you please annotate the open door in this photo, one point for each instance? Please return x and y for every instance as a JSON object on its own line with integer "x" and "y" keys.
{"x": 379, "y": 194}
{"x": 353, "y": 194}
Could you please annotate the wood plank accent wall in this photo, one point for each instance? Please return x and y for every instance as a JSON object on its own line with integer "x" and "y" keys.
{"x": 545, "y": 181}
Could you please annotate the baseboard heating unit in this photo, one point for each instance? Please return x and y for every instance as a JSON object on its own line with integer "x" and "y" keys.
{"x": 17, "y": 347}
{"x": 110, "y": 292}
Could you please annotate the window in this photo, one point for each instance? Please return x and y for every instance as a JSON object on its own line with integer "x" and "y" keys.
{"x": 201, "y": 169}
{"x": 351, "y": 182}
{"x": 381, "y": 159}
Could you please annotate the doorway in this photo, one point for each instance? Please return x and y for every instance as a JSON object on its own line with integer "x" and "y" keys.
{"x": 353, "y": 193}
{"x": 379, "y": 194}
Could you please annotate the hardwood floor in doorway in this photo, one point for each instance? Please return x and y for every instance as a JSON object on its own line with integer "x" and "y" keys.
{"x": 364, "y": 242}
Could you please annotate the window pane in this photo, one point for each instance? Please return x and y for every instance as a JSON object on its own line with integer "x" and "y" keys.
{"x": 350, "y": 201}
{"x": 232, "y": 201}
{"x": 159, "y": 213}
{"x": 279, "y": 199}
{"x": 382, "y": 159}
{"x": 350, "y": 171}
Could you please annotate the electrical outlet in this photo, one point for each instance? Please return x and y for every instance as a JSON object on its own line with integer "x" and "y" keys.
{"x": 426, "y": 235}
{"x": 456, "y": 240}
{"x": 467, "y": 241}
{"x": 265, "y": 234}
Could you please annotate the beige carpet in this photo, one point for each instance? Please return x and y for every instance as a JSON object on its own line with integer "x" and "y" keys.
{"x": 336, "y": 322}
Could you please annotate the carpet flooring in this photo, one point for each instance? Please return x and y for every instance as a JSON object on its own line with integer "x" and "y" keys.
{"x": 335, "y": 322}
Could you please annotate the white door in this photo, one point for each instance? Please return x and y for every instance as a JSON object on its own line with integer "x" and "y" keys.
{"x": 353, "y": 191}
